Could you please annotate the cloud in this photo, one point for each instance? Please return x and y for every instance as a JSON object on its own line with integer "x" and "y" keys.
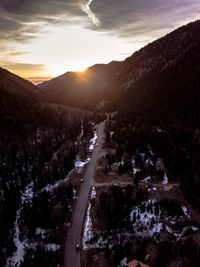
{"x": 21, "y": 20}
{"x": 134, "y": 21}
{"x": 129, "y": 18}
{"x": 85, "y": 6}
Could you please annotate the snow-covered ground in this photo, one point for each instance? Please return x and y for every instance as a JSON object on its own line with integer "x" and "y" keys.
{"x": 41, "y": 232}
{"x": 165, "y": 179}
{"x": 55, "y": 155}
{"x": 52, "y": 247}
{"x": 92, "y": 239}
{"x": 152, "y": 189}
{"x": 185, "y": 211}
{"x": 87, "y": 232}
{"x": 135, "y": 170}
{"x": 79, "y": 164}
{"x": 26, "y": 197}
{"x": 142, "y": 220}
{"x": 123, "y": 262}
{"x": 22, "y": 245}
{"x": 19, "y": 254}
{"x": 93, "y": 193}
{"x": 92, "y": 142}
{"x": 184, "y": 232}
{"x": 146, "y": 179}
{"x": 148, "y": 220}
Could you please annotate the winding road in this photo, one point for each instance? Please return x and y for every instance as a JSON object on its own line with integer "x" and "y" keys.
{"x": 72, "y": 254}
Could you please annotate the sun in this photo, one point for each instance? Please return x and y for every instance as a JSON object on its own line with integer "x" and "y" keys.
{"x": 59, "y": 70}
{"x": 81, "y": 70}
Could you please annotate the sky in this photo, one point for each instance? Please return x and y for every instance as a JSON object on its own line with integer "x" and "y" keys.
{"x": 45, "y": 38}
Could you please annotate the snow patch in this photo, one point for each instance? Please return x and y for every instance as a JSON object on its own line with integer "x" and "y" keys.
{"x": 146, "y": 179}
{"x": 93, "y": 193}
{"x": 123, "y": 263}
{"x": 41, "y": 232}
{"x": 19, "y": 254}
{"x": 146, "y": 223}
{"x": 55, "y": 156}
{"x": 135, "y": 170}
{"x": 87, "y": 233}
{"x": 185, "y": 211}
{"x": 152, "y": 189}
{"x": 165, "y": 180}
{"x": 79, "y": 164}
{"x": 92, "y": 142}
{"x": 52, "y": 247}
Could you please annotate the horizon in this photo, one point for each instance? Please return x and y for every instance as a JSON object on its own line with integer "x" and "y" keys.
{"x": 44, "y": 40}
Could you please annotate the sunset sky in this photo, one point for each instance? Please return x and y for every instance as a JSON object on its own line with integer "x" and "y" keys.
{"x": 45, "y": 38}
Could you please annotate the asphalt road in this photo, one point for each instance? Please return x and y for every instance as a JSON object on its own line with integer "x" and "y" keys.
{"x": 72, "y": 255}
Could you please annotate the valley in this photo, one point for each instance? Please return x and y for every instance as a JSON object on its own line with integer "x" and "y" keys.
{"x": 102, "y": 167}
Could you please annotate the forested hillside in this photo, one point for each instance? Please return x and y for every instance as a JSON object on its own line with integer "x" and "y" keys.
{"x": 161, "y": 79}
{"x": 39, "y": 144}
{"x": 15, "y": 84}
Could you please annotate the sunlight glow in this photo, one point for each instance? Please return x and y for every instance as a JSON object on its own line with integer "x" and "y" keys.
{"x": 40, "y": 43}
{"x": 74, "y": 48}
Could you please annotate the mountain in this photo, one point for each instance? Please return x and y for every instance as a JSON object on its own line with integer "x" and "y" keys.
{"x": 15, "y": 84}
{"x": 21, "y": 109}
{"x": 81, "y": 89}
{"x": 161, "y": 78}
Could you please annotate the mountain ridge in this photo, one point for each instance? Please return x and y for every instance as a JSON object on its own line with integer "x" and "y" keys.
{"x": 162, "y": 77}
{"x": 18, "y": 85}
{"x": 132, "y": 84}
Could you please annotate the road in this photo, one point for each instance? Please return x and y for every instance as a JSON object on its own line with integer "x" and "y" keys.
{"x": 72, "y": 255}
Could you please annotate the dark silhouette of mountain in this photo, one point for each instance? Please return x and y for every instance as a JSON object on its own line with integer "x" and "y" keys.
{"x": 21, "y": 109}
{"x": 81, "y": 89}
{"x": 15, "y": 84}
{"x": 162, "y": 78}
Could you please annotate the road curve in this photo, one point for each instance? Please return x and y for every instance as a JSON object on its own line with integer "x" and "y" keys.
{"x": 72, "y": 256}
